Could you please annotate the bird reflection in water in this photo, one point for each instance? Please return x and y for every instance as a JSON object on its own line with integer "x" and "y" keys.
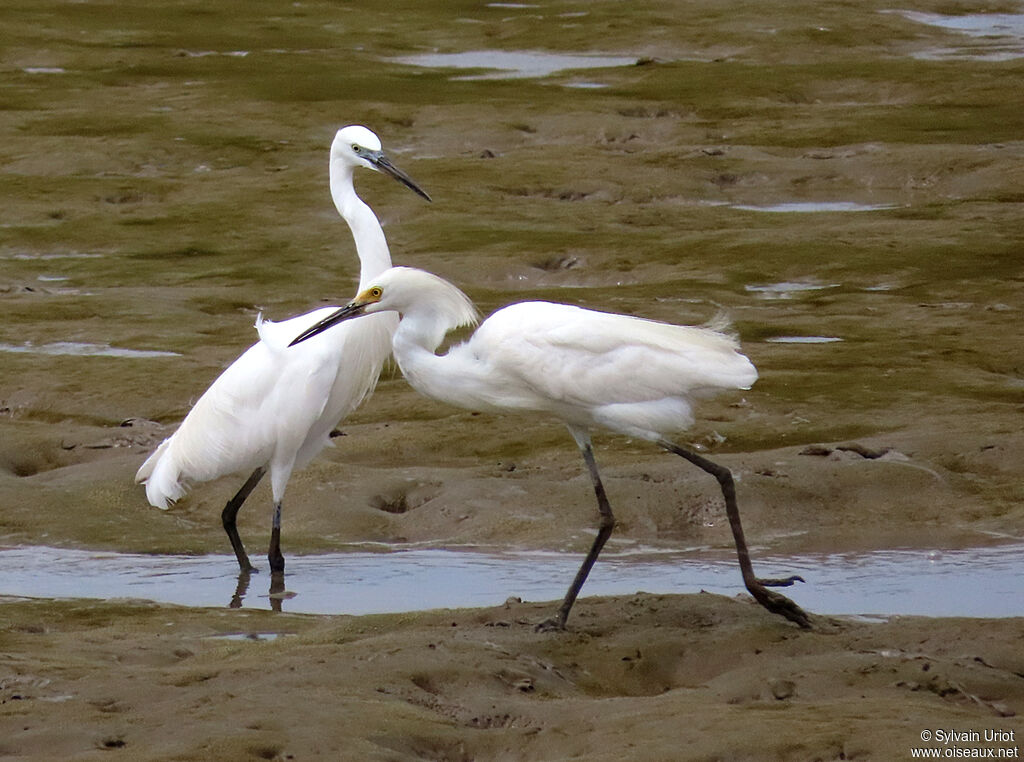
{"x": 277, "y": 593}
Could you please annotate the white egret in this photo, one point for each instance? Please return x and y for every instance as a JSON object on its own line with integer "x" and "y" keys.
{"x": 274, "y": 410}
{"x": 634, "y": 376}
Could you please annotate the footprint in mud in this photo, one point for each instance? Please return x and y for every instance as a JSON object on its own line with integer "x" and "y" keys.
{"x": 25, "y": 456}
{"x": 403, "y": 498}
{"x": 25, "y": 459}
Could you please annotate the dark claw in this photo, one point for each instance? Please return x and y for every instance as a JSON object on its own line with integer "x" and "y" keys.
{"x": 550, "y": 625}
{"x": 781, "y": 605}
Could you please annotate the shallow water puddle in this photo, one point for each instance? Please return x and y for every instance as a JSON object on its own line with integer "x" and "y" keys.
{"x": 982, "y": 582}
{"x": 803, "y": 339}
{"x": 254, "y": 637}
{"x": 807, "y": 207}
{"x": 30, "y": 257}
{"x": 80, "y": 349}
{"x": 512, "y": 64}
{"x": 786, "y": 289}
{"x": 1003, "y": 34}
{"x": 207, "y": 53}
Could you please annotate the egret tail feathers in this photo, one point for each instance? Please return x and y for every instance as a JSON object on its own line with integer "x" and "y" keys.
{"x": 722, "y": 323}
{"x": 146, "y": 469}
{"x": 162, "y": 478}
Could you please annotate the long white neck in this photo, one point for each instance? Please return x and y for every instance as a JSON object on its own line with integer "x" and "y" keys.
{"x": 420, "y": 332}
{"x": 371, "y": 245}
{"x": 414, "y": 346}
{"x": 440, "y": 377}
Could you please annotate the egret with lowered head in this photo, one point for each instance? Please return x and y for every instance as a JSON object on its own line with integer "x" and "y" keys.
{"x": 636, "y": 377}
{"x": 274, "y": 409}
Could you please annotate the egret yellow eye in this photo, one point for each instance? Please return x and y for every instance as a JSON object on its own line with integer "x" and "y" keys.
{"x": 356, "y": 147}
{"x": 375, "y": 292}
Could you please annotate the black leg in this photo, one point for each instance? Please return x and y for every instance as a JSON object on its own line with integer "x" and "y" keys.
{"x": 603, "y": 533}
{"x": 229, "y": 513}
{"x": 274, "y": 555}
{"x": 774, "y": 602}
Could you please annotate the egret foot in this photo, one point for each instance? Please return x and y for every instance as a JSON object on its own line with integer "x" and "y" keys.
{"x": 774, "y": 602}
{"x": 779, "y": 604}
{"x": 552, "y": 624}
{"x": 784, "y": 582}
{"x": 246, "y": 566}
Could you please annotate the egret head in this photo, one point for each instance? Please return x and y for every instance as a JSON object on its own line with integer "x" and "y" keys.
{"x": 356, "y": 146}
{"x": 404, "y": 290}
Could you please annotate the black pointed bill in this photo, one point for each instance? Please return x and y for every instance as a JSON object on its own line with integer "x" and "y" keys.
{"x": 383, "y": 163}
{"x": 348, "y": 312}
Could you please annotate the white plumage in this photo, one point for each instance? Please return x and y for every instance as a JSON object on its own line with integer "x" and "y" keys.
{"x": 274, "y": 408}
{"x": 587, "y": 368}
{"x": 571, "y": 362}
{"x": 269, "y": 408}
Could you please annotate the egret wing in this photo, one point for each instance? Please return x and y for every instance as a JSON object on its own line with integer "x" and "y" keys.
{"x": 237, "y": 422}
{"x": 574, "y": 356}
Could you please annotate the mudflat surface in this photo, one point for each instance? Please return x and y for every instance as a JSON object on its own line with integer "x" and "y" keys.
{"x": 638, "y": 677}
{"x": 163, "y": 178}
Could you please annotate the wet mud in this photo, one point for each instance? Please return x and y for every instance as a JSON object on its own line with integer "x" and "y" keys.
{"x": 843, "y": 181}
{"x": 638, "y": 677}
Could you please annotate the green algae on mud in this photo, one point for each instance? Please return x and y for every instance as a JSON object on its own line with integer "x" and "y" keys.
{"x": 163, "y": 179}
{"x": 170, "y": 168}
